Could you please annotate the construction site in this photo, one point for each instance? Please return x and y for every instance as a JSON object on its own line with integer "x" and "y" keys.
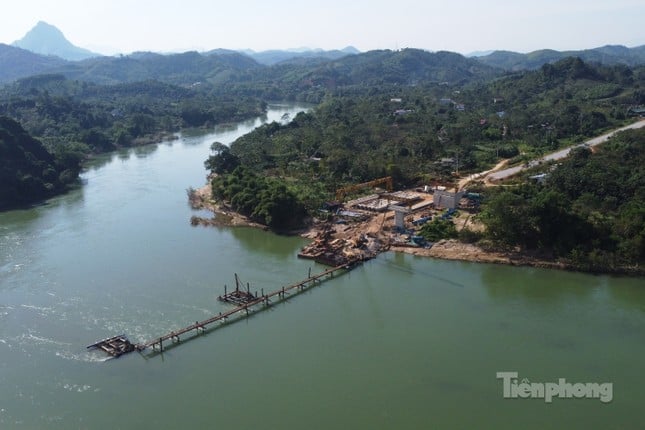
{"x": 360, "y": 228}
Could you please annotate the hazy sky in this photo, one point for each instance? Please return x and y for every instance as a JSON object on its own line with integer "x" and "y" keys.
{"x": 113, "y": 26}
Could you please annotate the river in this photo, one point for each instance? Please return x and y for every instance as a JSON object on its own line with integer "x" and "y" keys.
{"x": 401, "y": 342}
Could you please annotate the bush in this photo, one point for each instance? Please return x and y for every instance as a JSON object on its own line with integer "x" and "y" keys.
{"x": 438, "y": 229}
{"x": 467, "y": 235}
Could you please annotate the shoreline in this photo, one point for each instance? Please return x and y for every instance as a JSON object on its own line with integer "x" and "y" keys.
{"x": 223, "y": 215}
{"x": 452, "y": 249}
{"x": 380, "y": 241}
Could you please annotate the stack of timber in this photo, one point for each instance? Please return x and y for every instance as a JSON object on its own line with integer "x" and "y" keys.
{"x": 334, "y": 252}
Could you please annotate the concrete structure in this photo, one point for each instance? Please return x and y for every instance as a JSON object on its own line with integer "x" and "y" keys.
{"x": 446, "y": 199}
{"x": 399, "y": 216}
{"x": 375, "y": 205}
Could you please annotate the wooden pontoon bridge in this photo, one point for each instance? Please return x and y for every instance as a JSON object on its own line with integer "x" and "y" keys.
{"x": 245, "y": 303}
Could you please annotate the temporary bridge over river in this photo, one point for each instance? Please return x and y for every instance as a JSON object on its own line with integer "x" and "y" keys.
{"x": 245, "y": 303}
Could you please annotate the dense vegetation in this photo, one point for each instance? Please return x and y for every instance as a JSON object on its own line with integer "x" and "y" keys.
{"x": 264, "y": 199}
{"x": 438, "y": 229}
{"x": 28, "y": 172}
{"x": 60, "y": 111}
{"x": 311, "y": 80}
{"x": 359, "y": 133}
{"x": 591, "y": 210}
{"x": 424, "y": 132}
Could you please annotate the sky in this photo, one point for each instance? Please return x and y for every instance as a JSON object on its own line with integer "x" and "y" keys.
{"x": 464, "y": 26}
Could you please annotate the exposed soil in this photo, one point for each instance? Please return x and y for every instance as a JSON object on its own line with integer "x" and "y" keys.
{"x": 455, "y": 250}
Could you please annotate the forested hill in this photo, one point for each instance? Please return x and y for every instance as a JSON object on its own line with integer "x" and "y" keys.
{"x": 608, "y": 55}
{"x": 404, "y": 67}
{"x": 17, "y": 63}
{"x": 419, "y": 134}
{"x": 310, "y": 80}
{"x": 565, "y": 99}
{"x": 182, "y": 69}
{"x": 405, "y": 130}
{"x": 329, "y": 68}
{"x": 591, "y": 211}
{"x": 28, "y": 172}
{"x": 101, "y": 118}
{"x": 225, "y": 68}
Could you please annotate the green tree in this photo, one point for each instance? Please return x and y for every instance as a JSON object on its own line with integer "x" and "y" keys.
{"x": 438, "y": 229}
{"x": 221, "y": 160}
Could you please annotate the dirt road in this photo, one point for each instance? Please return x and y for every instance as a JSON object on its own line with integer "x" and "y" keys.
{"x": 468, "y": 179}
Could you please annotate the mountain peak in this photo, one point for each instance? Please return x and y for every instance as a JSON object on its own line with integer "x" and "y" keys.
{"x": 46, "y": 39}
{"x": 44, "y": 27}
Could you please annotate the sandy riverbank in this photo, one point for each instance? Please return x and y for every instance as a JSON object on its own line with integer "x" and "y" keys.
{"x": 455, "y": 250}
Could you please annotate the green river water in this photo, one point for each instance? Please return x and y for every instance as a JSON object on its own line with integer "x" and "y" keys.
{"x": 401, "y": 342}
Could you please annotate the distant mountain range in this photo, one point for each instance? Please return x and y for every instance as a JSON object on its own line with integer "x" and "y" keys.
{"x": 404, "y": 67}
{"x": 408, "y": 66}
{"x": 277, "y": 56}
{"x": 610, "y": 54}
{"x": 303, "y": 66}
{"x": 46, "y": 39}
{"x": 50, "y": 52}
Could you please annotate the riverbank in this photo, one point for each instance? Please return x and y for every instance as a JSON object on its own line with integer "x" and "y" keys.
{"x": 344, "y": 237}
{"x": 454, "y": 250}
{"x": 374, "y": 233}
{"x": 223, "y": 215}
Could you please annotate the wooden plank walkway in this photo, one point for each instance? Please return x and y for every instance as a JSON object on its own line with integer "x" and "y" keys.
{"x": 241, "y": 310}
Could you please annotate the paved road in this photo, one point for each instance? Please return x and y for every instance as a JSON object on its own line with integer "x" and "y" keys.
{"x": 503, "y": 174}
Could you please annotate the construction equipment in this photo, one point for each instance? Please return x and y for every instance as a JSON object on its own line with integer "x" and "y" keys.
{"x": 342, "y": 192}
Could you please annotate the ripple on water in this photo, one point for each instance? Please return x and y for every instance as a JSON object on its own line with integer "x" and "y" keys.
{"x": 63, "y": 350}
{"x": 43, "y": 311}
{"x": 85, "y": 356}
{"x": 5, "y": 311}
{"x": 33, "y": 339}
{"x": 78, "y": 388}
